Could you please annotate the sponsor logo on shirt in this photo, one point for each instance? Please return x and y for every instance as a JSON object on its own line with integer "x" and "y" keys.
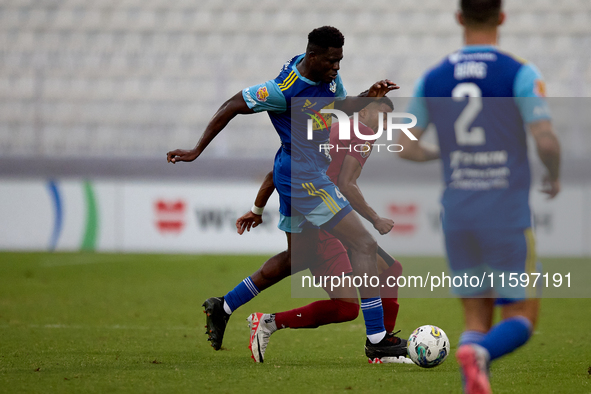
{"x": 308, "y": 104}
{"x": 366, "y": 150}
{"x": 248, "y": 97}
{"x": 262, "y": 94}
{"x": 540, "y": 88}
{"x": 478, "y": 56}
{"x": 319, "y": 121}
{"x": 333, "y": 86}
{"x": 460, "y": 158}
{"x": 345, "y": 129}
{"x": 492, "y": 174}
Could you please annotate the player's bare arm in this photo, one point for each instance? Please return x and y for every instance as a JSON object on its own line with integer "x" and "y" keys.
{"x": 347, "y": 183}
{"x": 234, "y": 106}
{"x": 252, "y": 219}
{"x": 548, "y": 149}
{"x": 355, "y": 104}
{"x": 416, "y": 150}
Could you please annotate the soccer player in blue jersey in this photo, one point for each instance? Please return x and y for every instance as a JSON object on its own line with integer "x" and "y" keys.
{"x": 299, "y": 175}
{"x": 333, "y": 261}
{"x": 481, "y": 101}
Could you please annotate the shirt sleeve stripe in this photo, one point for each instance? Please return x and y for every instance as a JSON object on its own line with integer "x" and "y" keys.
{"x": 288, "y": 79}
{"x": 290, "y": 83}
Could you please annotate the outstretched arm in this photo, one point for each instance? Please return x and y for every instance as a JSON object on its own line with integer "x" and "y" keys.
{"x": 355, "y": 104}
{"x": 234, "y": 106}
{"x": 415, "y": 150}
{"x": 347, "y": 183}
{"x": 253, "y": 219}
{"x": 549, "y": 152}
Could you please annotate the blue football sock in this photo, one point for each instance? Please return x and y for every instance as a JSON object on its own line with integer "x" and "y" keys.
{"x": 244, "y": 292}
{"x": 373, "y": 314}
{"x": 471, "y": 337}
{"x": 506, "y": 336}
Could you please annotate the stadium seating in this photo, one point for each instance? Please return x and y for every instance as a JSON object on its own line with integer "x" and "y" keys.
{"x": 138, "y": 77}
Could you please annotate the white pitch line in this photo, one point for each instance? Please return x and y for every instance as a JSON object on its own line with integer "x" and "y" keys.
{"x": 62, "y": 261}
{"x": 55, "y": 262}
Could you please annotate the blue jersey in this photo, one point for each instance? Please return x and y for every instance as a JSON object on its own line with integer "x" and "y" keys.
{"x": 479, "y": 100}
{"x": 299, "y": 160}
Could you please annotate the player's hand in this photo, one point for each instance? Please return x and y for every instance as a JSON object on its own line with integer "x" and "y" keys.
{"x": 381, "y": 88}
{"x": 181, "y": 155}
{"x": 383, "y": 225}
{"x": 247, "y": 221}
{"x": 550, "y": 187}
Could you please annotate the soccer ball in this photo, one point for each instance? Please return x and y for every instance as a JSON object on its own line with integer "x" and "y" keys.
{"x": 428, "y": 346}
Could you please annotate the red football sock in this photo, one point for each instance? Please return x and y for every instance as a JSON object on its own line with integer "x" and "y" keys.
{"x": 317, "y": 314}
{"x": 391, "y": 307}
{"x": 390, "y": 296}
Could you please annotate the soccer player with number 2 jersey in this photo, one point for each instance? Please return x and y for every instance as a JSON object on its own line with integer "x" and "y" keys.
{"x": 482, "y": 101}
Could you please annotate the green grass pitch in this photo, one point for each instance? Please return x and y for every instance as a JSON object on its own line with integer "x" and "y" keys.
{"x": 133, "y": 323}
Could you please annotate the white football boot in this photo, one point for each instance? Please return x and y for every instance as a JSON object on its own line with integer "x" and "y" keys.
{"x": 392, "y": 360}
{"x": 262, "y": 325}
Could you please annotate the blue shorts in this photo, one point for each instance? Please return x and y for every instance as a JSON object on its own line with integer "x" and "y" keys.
{"x": 482, "y": 252}
{"x": 318, "y": 202}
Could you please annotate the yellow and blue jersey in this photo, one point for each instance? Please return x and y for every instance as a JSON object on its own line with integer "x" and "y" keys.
{"x": 291, "y": 100}
{"x": 479, "y": 100}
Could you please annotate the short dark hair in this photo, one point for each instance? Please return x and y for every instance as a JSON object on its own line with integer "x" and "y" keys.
{"x": 481, "y": 12}
{"x": 325, "y": 37}
{"x": 385, "y": 100}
